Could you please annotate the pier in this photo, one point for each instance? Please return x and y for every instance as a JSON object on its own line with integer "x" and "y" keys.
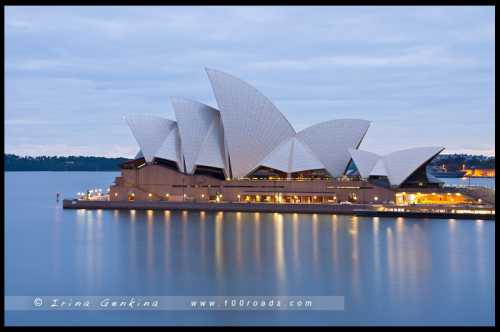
{"x": 456, "y": 212}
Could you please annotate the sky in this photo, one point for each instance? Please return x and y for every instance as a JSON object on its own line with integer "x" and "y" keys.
{"x": 423, "y": 76}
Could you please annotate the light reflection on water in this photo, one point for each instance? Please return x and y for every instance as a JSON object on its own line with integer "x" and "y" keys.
{"x": 244, "y": 230}
{"x": 219, "y": 246}
{"x": 239, "y": 253}
{"x": 256, "y": 242}
{"x": 295, "y": 245}
{"x": 202, "y": 237}
{"x": 150, "y": 244}
{"x": 166, "y": 239}
{"x": 279, "y": 251}
{"x": 376, "y": 249}
{"x": 407, "y": 258}
{"x": 299, "y": 253}
{"x": 389, "y": 270}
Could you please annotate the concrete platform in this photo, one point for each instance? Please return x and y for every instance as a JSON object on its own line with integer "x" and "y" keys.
{"x": 354, "y": 209}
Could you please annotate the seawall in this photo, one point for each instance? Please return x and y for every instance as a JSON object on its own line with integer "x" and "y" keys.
{"x": 354, "y": 209}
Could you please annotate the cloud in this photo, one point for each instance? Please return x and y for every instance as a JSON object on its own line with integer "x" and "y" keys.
{"x": 436, "y": 56}
{"x": 71, "y": 73}
{"x": 24, "y": 122}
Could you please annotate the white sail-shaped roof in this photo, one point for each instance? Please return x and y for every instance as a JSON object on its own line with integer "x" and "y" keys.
{"x": 379, "y": 169}
{"x": 253, "y": 126}
{"x": 150, "y": 132}
{"x": 212, "y": 152}
{"x": 331, "y": 140}
{"x": 397, "y": 166}
{"x": 249, "y": 131}
{"x": 171, "y": 148}
{"x": 401, "y": 164}
{"x": 365, "y": 161}
{"x": 201, "y": 134}
{"x": 292, "y": 156}
{"x": 279, "y": 158}
{"x": 302, "y": 158}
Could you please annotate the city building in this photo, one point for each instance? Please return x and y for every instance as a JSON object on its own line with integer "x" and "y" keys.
{"x": 247, "y": 151}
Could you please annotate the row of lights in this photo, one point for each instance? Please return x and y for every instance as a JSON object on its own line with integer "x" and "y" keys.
{"x": 219, "y": 196}
{"x": 167, "y": 195}
{"x": 419, "y": 193}
{"x": 91, "y": 192}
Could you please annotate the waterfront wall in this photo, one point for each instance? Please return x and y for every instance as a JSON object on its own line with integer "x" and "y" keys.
{"x": 354, "y": 209}
{"x": 158, "y": 183}
{"x": 225, "y": 206}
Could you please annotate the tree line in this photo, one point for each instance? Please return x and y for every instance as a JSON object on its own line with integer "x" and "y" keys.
{"x": 459, "y": 161}
{"x": 14, "y": 162}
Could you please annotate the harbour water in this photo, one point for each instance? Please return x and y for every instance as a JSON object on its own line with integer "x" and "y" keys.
{"x": 389, "y": 271}
{"x": 461, "y": 182}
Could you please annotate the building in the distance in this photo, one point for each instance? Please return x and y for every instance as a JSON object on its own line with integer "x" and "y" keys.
{"x": 247, "y": 151}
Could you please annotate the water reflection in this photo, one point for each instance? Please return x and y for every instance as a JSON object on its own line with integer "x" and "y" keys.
{"x": 150, "y": 242}
{"x": 376, "y": 249}
{"x": 399, "y": 272}
{"x": 481, "y": 239}
{"x": 391, "y": 272}
{"x": 335, "y": 253}
{"x": 354, "y": 226}
{"x": 257, "y": 251}
{"x": 219, "y": 246}
{"x": 279, "y": 249}
{"x": 452, "y": 250}
{"x": 280, "y": 253}
{"x": 89, "y": 254}
{"x": 166, "y": 235}
{"x": 70, "y": 252}
{"x": 203, "y": 251}
{"x": 184, "y": 234}
{"x": 315, "y": 242}
{"x": 98, "y": 243}
{"x": 239, "y": 254}
{"x": 295, "y": 243}
{"x": 133, "y": 242}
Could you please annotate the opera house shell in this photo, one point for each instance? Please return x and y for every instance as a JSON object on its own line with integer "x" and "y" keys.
{"x": 247, "y": 133}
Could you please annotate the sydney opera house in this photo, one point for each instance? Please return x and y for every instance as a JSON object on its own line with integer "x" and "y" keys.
{"x": 247, "y": 151}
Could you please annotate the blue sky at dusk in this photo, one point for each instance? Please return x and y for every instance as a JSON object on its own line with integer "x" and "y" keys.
{"x": 423, "y": 75}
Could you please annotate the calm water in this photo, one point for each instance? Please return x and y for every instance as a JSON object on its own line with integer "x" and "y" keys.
{"x": 483, "y": 182}
{"x": 404, "y": 271}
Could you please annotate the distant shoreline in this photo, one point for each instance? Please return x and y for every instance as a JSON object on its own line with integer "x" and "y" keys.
{"x": 15, "y": 163}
